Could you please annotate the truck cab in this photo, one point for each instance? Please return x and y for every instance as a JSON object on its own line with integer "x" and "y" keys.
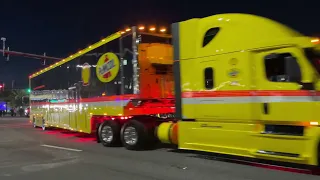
{"x": 245, "y": 86}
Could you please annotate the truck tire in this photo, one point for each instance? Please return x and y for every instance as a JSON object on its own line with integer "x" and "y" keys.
{"x": 109, "y": 133}
{"x": 136, "y": 136}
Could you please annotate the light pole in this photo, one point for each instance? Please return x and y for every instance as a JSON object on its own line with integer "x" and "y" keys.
{"x": 7, "y": 53}
{"x": 3, "y": 39}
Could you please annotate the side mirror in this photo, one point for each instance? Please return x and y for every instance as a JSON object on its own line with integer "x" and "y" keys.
{"x": 293, "y": 69}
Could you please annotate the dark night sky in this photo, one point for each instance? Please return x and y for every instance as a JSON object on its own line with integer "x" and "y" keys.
{"x": 60, "y": 28}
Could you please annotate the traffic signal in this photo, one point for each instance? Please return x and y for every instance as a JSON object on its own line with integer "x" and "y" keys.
{"x": 29, "y": 90}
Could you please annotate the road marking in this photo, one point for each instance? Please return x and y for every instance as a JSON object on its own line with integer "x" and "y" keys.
{"x": 45, "y": 166}
{"x": 58, "y": 147}
{"x": 13, "y": 125}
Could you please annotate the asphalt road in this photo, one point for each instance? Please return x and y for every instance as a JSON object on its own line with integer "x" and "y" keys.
{"x": 32, "y": 154}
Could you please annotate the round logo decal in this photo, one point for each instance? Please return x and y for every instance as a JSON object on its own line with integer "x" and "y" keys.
{"x": 108, "y": 67}
{"x": 85, "y": 74}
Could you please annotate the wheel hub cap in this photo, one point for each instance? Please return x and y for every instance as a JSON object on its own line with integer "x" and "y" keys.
{"x": 107, "y": 134}
{"x": 130, "y": 135}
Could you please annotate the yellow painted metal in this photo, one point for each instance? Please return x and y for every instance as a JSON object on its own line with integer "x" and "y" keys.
{"x": 159, "y": 53}
{"x": 163, "y": 132}
{"x": 75, "y": 117}
{"x": 234, "y": 128}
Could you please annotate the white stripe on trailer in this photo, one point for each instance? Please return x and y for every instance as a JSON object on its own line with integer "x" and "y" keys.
{"x": 249, "y": 99}
{"x": 107, "y": 103}
{"x": 96, "y": 104}
{"x": 211, "y": 100}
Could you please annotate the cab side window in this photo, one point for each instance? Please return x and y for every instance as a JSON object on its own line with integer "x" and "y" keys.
{"x": 282, "y": 68}
{"x": 210, "y": 34}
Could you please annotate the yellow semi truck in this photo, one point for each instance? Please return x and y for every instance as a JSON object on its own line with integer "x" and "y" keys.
{"x": 233, "y": 84}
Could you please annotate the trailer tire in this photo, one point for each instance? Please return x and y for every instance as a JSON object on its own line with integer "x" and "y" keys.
{"x": 34, "y": 123}
{"x": 43, "y": 126}
{"x": 136, "y": 136}
{"x": 109, "y": 134}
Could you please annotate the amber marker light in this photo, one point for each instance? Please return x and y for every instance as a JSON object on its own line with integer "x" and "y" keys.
{"x": 141, "y": 28}
{"x": 152, "y": 29}
{"x": 163, "y": 30}
{"x": 315, "y": 40}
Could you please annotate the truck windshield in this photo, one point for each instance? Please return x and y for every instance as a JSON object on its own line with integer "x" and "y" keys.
{"x": 313, "y": 56}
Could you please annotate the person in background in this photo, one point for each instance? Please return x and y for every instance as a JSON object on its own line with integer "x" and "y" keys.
{"x": 21, "y": 111}
{"x": 12, "y": 111}
{"x": 15, "y": 111}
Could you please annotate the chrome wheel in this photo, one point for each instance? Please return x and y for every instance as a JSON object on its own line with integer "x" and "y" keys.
{"x": 107, "y": 134}
{"x": 130, "y": 135}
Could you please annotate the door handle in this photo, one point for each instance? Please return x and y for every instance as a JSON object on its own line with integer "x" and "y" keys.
{"x": 266, "y": 108}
